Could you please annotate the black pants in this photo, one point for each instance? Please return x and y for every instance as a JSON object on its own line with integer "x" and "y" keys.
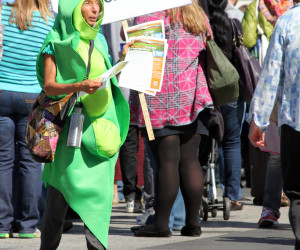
{"x": 128, "y": 163}
{"x": 53, "y": 222}
{"x": 290, "y": 159}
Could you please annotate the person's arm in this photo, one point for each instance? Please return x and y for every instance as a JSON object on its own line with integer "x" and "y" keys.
{"x": 256, "y": 136}
{"x": 271, "y": 78}
{"x": 51, "y": 87}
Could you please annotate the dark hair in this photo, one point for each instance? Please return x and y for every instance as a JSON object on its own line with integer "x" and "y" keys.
{"x": 219, "y": 21}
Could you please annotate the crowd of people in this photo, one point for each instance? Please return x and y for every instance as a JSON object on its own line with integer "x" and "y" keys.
{"x": 65, "y": 52}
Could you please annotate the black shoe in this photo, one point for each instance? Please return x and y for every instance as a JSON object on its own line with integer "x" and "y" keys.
{"x": 141, "y": 232}
{"x": 135, "y": 228}
{"x": 150, "y": 219}
{"x": 191, "y": 231}
{"x": 257, "y": 201}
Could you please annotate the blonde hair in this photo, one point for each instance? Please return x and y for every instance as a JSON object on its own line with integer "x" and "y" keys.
{"x": 21, "y": 13}
{"x": 191, "y": 16}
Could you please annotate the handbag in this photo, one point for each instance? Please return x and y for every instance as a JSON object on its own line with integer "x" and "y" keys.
{"x": 1, "y": 34}
{"x": 45, "y": 123}
{"x": 222, "y": 77}
{"x": 47, "y": 119}
{"x": 247, "y": 66}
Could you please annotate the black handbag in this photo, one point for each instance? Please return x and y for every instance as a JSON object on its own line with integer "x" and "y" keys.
{"x": 247, "y": 66}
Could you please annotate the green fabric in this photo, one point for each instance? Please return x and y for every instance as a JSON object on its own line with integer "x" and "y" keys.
{"x": 249, "y": 24}
{"x": 85, "y": 176}
{"x": 97, "y": 106}
{"x": 108, "y": 138}
{"x": 97, "y": 63}
{"x": 97, "y": 103}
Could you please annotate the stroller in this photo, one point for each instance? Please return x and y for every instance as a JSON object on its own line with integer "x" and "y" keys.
{"x": 210, "y": 201}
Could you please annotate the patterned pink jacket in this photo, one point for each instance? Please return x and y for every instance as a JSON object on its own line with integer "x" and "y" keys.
{"x": 184, "y": 92}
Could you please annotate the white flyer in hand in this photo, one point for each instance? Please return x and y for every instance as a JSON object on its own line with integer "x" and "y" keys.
{"x": 111, "y": 73}
{"x": 147, "y": 62}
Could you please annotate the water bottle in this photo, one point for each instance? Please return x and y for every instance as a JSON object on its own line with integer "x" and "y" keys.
{"x": 75, "y": 129}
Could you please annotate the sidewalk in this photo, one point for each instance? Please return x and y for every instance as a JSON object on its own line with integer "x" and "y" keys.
{"x": 239, "y": 232}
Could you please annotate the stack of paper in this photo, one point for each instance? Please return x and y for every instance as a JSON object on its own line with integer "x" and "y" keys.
{"x": 146, "y": 57}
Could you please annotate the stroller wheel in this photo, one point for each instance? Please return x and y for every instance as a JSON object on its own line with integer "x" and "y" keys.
{"x": 226, "y": 208}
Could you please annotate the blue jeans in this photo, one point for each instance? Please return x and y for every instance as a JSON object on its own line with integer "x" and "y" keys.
{"x": 177, "y": 216}
{"x": 230, "y": 160}
{"x": 274, "y": 184}
{"x": 25, "y": 187}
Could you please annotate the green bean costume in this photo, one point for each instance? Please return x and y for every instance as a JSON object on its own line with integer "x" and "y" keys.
{"x": 85, "y": 176}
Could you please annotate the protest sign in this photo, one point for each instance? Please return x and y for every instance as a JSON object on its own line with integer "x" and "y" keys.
{"x": 117, "y": 10}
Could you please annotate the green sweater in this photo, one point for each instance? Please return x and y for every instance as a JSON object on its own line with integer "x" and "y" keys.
{"x": 85, "y": 176}
{"x": 249, "y": 24}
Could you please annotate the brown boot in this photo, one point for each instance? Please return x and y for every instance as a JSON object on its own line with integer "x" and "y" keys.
{"x": 235, "y": 206}
{"x": 285, "y": 202}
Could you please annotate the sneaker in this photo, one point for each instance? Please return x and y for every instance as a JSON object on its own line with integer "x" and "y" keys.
{"x": 6, "y": 235}
{"x": 268, "y": 218}
{"x": 141, "y": 220}
{"x": 134, "y": 206}
{"x": 235, "y": 206}
{"x": 35, "y": 234}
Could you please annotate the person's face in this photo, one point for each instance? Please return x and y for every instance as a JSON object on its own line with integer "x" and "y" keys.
{"x": 90, "y": 11}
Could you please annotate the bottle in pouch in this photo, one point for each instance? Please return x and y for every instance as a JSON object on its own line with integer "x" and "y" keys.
{"x": 75, "y": 129}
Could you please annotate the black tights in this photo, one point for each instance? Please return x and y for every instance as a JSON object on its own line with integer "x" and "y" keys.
{"x": 177, "y": 161}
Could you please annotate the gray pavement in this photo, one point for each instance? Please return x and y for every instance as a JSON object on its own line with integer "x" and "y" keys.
{"x": 239, "y": 232}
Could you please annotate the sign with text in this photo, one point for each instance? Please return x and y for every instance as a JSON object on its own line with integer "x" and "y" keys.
{"x": 118, "y": 10}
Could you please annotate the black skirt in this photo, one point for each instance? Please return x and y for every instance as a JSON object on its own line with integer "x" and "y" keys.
{"x": 199, "y": 126}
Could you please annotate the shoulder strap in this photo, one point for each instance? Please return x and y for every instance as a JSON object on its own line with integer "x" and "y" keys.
{"x": 89, "y": 60}
{"x": 207, "y": 36}
{"x": 236, "y": 33}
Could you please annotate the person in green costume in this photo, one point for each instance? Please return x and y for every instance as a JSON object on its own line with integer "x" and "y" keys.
{"x": 82, "y": 177}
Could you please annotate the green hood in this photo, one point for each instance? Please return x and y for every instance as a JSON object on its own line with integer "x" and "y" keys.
{"x": 64, "y": 38}
{"x": 85, "y": 30}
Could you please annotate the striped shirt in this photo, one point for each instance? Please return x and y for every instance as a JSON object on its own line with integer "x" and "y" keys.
{"x": 20, "y": 50}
